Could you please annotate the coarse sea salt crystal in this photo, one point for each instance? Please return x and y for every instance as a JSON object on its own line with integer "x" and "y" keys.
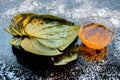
{"x": 116, "y": 22}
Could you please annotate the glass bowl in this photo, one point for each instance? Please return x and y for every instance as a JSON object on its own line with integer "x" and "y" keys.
{"x": 96, "y": 32}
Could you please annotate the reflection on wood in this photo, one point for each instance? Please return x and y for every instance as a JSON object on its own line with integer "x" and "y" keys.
{"x": 92, "y": 54}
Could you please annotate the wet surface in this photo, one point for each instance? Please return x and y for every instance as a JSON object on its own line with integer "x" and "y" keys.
{"x": 72, "y": 10}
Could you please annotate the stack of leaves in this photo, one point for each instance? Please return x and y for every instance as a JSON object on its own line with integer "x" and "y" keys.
{"x": 45, "y": 35}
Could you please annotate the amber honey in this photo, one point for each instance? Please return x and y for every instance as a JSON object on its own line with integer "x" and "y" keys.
{"x": 95, "y": 35}
{"x": 90, "y": 54}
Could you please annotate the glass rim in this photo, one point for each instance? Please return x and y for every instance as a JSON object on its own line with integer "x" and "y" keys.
{"x": 92, "y": 17}
{"x": 102, "y": 18}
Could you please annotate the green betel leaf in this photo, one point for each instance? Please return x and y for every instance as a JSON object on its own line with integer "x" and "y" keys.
{"x": 16, "y": 25}
{"x": 14, "y": 29}
{"x": 27, "y": 42}
{"x": 59, "y": 39}
{"x": 15, "y": 41}
{"x": 45, "y": 35}
{"x": 53, "y": 35}
{"x": 34, "y": 46}
{"x": 68, "y": 55}
{"x": 50, "y": 18}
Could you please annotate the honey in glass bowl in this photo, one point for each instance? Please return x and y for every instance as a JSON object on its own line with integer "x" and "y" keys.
{"x": 96, "y": 32}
